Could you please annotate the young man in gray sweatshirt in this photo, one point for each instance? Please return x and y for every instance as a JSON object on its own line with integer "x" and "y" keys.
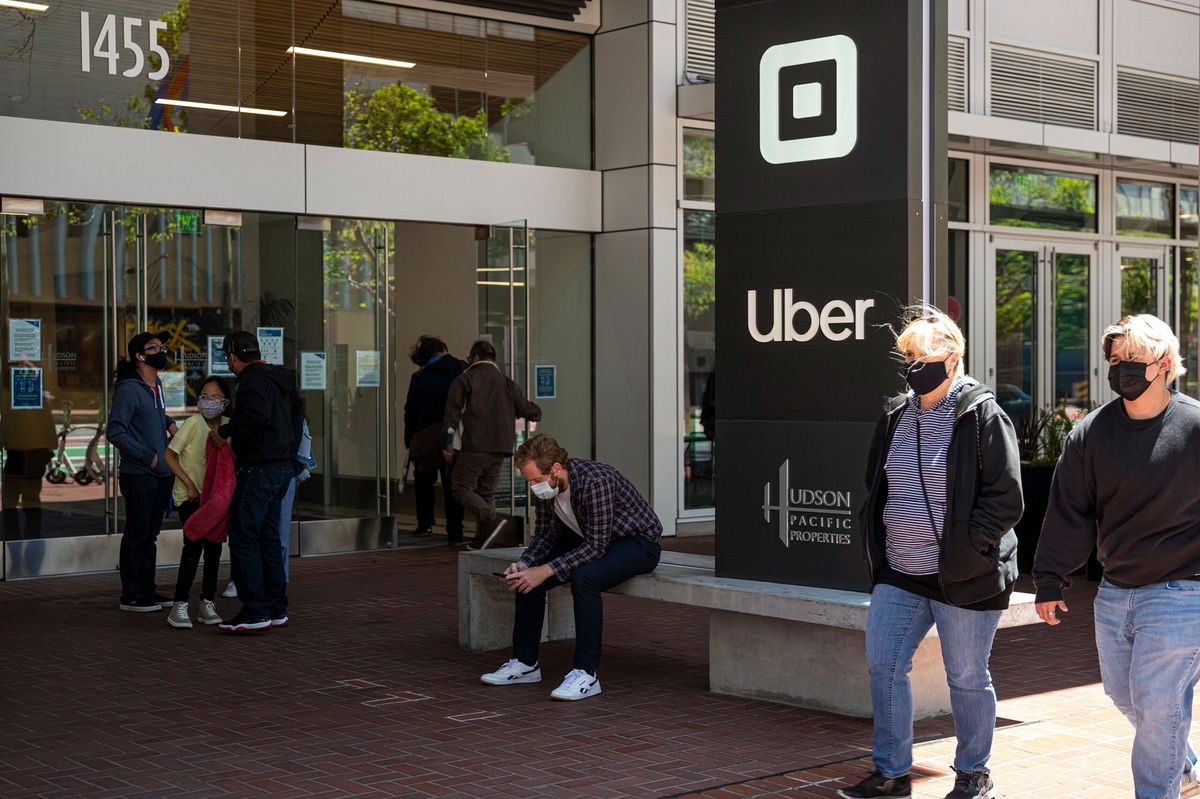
{"x": 1128, "y": 483}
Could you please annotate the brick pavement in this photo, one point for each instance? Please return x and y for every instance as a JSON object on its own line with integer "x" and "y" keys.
{"x": 367, "y": 695}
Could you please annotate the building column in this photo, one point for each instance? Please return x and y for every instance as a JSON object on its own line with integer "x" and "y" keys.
{"x": 637, "y": 273}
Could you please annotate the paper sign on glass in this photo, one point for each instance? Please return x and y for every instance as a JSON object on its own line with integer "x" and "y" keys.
{"x": 26, "y": 387}
{"x": 216, "y": 357}
{"x": 312, "y": 371}
{"x": 270, "y": 344}
{"x": 367, "y": 368}
{"x": 25, "y": 340}
{"x": 174, "y": 388}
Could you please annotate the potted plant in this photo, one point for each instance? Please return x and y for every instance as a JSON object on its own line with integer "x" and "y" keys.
{"x": 1041, "y": 435}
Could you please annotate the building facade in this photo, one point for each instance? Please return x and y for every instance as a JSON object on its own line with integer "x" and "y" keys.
{"x": 344, "y": 175}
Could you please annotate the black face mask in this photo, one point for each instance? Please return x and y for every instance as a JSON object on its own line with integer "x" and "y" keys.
{"x": 925, "y": 376}
{"x": 1128, "y": 379}
{"x": 157, "y": 361}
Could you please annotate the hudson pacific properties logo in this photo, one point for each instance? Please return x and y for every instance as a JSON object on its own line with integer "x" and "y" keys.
{"x": 807, "y": 515}
{"x": 807, "y": 101}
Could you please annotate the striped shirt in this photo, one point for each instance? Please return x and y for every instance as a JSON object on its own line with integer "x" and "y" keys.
{"x": 912, "y": 547}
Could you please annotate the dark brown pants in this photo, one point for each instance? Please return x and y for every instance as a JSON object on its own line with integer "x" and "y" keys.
{"x": 473, "y": 482}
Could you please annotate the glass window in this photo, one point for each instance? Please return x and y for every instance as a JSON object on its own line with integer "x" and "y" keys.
{"x": 1189, "y": 320}
{"x": 1144, "y": 209}
{"x": 342, "y": 73}
{"x": 1189, "y": 208}
{"x": 959, "y": 192}
{"x": 699, "y": 165}
{"x": 1042, "y": 198}
{"x": 958, "y": 283}
{"x": 699, "y": 349}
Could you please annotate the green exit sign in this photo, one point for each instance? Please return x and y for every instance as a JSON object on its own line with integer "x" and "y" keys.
{"x": 188, "y": 222}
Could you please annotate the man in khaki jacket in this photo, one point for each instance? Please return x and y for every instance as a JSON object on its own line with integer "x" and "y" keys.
{"x": 481, "y": 413}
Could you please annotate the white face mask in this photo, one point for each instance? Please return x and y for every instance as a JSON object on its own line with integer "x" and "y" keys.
{"x": 544, "y": 490}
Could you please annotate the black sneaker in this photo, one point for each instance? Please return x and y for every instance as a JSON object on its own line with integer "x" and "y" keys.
{"x": 163, "y": 602}
{"x": 878, "y": 785}
{"x": 140, "y": 605}
{"x": 242, "y": 623}
{"x": 422, "y": 531}
{"x": 972, "y": 785}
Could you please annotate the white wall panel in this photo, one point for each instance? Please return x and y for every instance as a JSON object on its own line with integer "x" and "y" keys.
{"x": 92, "y": 162}
{"x": 1064, "y": 24}
{"x": 422, "y": 188}
{"x": 1155, "y": 36}
{"x": 959, "y": 18}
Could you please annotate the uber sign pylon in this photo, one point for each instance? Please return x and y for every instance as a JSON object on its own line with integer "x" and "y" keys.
{"x": 831, "y": 145}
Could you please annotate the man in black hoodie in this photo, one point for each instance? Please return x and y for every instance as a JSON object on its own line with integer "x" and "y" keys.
{"x": 263, "y": 431}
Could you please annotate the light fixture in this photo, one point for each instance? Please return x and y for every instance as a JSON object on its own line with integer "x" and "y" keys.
{"x": 364, "y": 59}
{"x": 22, "y": 206}
{"x": 321, "y": 224}
{"x": 237, "y": 109}
{"x": 222, "y": 218}
{"x": 23, "y": 5}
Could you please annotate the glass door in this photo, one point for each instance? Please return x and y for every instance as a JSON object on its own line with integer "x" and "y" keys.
{"x": 57, "y": 300}
{"x": 1143, "y": 285}
{"x": 1015, "y": 333}
{"x": 1044, "y": 320}
{"x": 502, "y": 278}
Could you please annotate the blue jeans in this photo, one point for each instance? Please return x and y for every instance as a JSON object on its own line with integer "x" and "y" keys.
{"x": 897, "y": 621}
{"x": 625, "y": 558}
{"x": 256, "y": 558}
{"x": 285, "y": 526}
{"x": 1148, "y": 639}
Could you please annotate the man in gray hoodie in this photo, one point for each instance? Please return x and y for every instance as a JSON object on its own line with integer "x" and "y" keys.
{"x": 138, "y": 426}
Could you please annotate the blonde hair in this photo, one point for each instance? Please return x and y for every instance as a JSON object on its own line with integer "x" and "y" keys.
{"x": 1147, "y": 336}
{"x": 929, "y": 332}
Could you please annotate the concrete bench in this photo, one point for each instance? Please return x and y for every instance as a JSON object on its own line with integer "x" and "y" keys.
{"x": 783, "y": 643}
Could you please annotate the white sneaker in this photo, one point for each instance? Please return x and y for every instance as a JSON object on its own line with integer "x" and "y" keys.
{"x": 230, "y": 590}
{"x": 511, "y": 673}
{"x": 577, "y": 685}
{"x": 178, "y": 617}
{"x": 206, "y": 613}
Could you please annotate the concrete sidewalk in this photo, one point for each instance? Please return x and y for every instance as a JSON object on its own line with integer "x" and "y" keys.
{"x": 367, "y": 695}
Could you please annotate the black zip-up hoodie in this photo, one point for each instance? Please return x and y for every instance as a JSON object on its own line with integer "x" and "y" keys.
{"x": 978, "y": 557}
{"x": 263, "y": 426}
{"x": 427, "y": 392}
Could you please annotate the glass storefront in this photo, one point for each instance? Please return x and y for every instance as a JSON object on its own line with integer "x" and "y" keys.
{"x": 699, "y": 350}
{"x": 1042, "y": 198}
{"x": 343, "y": 297}
{"x": 344, "y": 73}
{"x": 1145, "y": 209}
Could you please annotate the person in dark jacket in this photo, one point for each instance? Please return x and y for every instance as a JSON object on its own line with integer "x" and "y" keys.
{"x": 944, "y": 494}
{"x": 423, "y": 409}
{"x": 481, "y": 413}
{"x": 264, "y": 431}
{"x": 1126, "y": 485}
{"x": 138, "y": 426}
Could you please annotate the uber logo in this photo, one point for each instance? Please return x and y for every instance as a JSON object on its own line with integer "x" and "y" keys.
{"x": 833, "y": 320}
{"x": 794, "y": 114}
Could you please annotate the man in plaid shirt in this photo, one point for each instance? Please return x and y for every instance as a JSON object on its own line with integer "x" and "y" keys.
{"x": 593, "y": 530}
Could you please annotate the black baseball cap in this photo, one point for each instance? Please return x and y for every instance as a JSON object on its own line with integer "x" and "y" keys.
{"x": 243, "y": 344}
